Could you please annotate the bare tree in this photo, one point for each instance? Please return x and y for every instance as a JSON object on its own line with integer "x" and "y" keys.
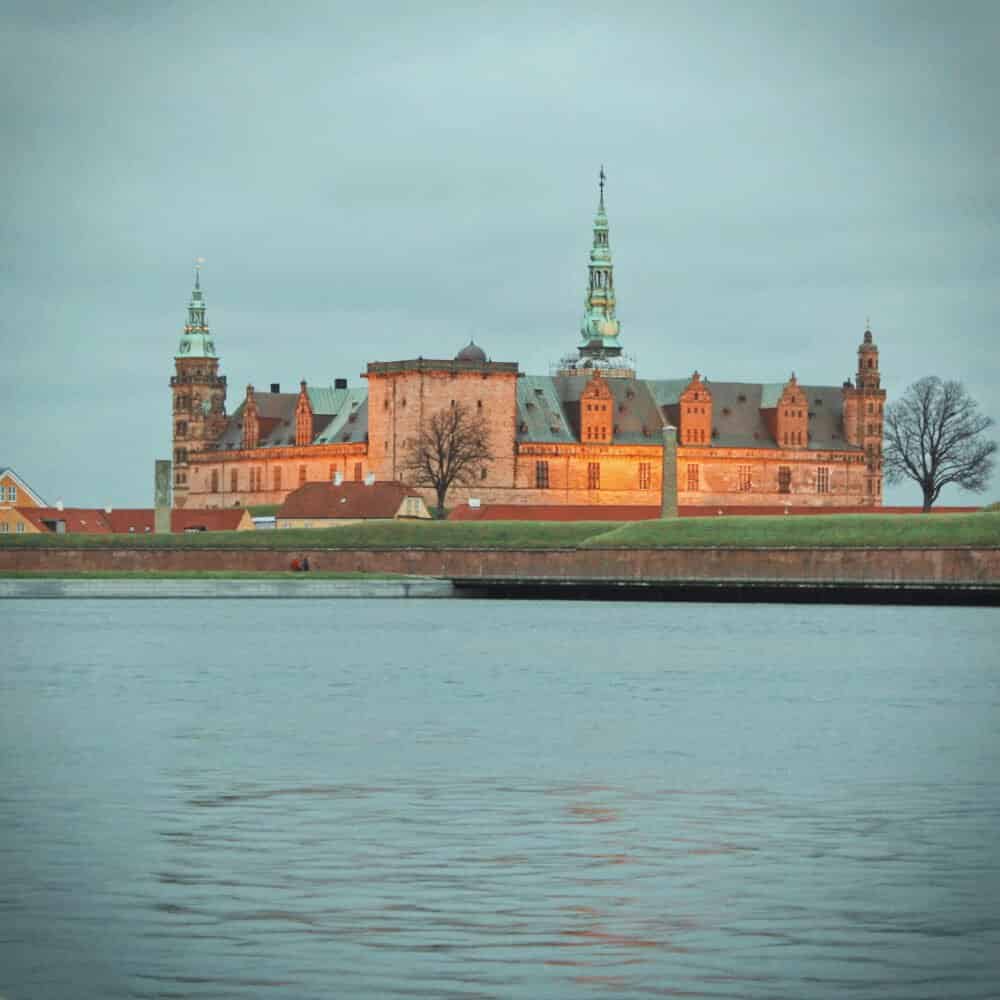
{"x": 933, "y": 435}
{"x": 453, "y": 446}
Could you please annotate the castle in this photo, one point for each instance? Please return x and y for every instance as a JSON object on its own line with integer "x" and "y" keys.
{"x": 590, "y": 433}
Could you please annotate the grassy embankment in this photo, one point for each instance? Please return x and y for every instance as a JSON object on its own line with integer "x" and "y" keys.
{"x": 840, "y": 530}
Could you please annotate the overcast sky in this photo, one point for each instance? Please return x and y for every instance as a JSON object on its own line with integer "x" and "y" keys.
{"x": 375, "y": 181}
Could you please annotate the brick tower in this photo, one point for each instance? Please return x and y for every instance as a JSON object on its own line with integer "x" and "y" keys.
{"x": 199, "y": 392}
{"x": 864, "y": 403}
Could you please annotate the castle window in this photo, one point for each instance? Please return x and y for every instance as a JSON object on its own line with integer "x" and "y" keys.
{"x": 541, "y": 475}
{"x": 276, "y": 478}
{"x": 20, "y": 527}
{"x": 482, "y": 472}
{"x": 215, "y": 480}
{"x": 822, "y": 480}
{"x": 693, "y": 477}
{"x": 182, "y": 428}
{"x": 11, "y": 494}
{"x": 234, "y": 480}
{"x": 4, "y": 528}
{"x": 784, "y": 479}
{"x": 645, "y": 476}
{"x": 302, "y": 475}
{"x": 743, "y": 477}
{"x": 357, "y": 472}
{"x": 593, "y": 475}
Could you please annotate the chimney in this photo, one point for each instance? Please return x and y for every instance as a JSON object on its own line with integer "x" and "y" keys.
{"x": 370, "y": 479}
{"x": 340, "y": 383}
{"x": 275, "y": 387}
{"x": 59, "y": 505}
{"x": 338, "y": 478}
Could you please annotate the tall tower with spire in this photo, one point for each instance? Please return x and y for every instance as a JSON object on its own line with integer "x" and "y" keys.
{"x": 198, "y": 390}
{"x": 600, "y": 328}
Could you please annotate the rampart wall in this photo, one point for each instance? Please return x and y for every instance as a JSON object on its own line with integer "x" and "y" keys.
{"x": 959, "y": 565}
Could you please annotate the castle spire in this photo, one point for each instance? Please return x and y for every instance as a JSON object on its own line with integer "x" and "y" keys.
{"x": 196, "y": 341}
{"x": 600, "y": 329}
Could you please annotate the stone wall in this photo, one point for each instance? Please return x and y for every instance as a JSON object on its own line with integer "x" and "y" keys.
{"x": 937, "y": 565}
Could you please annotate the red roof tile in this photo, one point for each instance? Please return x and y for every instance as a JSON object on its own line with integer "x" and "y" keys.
{"x": 553, "y": 512}
{"x": 131, "y": 521}
{"x": 346, "y": 500}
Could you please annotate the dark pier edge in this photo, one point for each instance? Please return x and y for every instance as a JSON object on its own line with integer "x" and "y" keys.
{"x": 731, "y": 591}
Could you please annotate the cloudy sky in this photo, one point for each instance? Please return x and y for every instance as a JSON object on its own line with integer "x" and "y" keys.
{"x": 385, "y": 180}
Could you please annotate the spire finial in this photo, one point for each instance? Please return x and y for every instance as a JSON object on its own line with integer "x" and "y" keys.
{"x": 198, "y": 261}
{"x": 603, "y": 179}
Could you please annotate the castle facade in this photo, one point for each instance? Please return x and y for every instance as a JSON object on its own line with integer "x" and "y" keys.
{"x": 590, "y": 433}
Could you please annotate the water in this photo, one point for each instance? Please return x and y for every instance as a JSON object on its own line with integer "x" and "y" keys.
{"x": 498, "y": 799}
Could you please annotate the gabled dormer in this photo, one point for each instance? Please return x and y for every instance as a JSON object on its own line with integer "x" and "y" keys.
{"x": 303, "y": 417}
{"x": 790, "y": 421}
{"x": 695, "y": 409}
{"x": 251, "y": 422}
{"x": 597, "y": 411}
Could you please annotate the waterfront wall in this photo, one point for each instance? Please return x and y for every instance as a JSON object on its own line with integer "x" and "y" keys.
{"x": 960, "y": 565}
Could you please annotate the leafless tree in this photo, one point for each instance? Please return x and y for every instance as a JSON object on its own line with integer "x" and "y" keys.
{"x": 453, "y": 446}
{"x": 933, "y": 435}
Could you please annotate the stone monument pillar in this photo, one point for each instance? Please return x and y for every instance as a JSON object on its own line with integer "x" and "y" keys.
{"x": 669, "y": 474}
{"x": 161, "y": 501}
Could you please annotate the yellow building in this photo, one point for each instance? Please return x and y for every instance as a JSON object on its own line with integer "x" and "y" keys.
{"x": 14, "y": 493}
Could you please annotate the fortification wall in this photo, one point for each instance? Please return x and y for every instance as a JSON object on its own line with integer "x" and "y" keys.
{"x": 884, "y": 565}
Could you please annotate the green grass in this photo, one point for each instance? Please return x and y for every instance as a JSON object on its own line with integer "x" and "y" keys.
{"x": 837, "y": 530}
{"x": 373, "y": 535}
{"x": 849, "y": 530}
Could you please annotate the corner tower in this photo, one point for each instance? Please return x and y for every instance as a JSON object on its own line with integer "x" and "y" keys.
{"x": 864, "y": 405}
{"x": 198, "y": 390}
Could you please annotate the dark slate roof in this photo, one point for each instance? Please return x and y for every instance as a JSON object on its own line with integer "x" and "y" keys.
{"x": 637, "y": 419}
{"x": 349, "y": 421}
{"x": 548, "y": 412}
{"x": 540, "y": 414}
{"x": 737, "y": 416}
{"x": 339, "y": 415}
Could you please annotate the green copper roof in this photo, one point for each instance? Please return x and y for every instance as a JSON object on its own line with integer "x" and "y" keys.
{"x": 600, "y": 328}
{"x": 196, "y": 340}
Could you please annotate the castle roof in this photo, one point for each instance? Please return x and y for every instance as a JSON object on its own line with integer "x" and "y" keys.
{"x": 548, "y": 410}
{"x": 339, "y": 415}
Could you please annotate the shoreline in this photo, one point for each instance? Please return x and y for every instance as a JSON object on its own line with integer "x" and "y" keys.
{"x": 239, "y": 588}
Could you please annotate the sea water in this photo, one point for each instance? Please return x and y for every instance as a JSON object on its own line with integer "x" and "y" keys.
{"x": 507, "y": 799}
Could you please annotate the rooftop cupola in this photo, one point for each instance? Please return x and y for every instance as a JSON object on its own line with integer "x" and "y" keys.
{"x": 196, "y": 340}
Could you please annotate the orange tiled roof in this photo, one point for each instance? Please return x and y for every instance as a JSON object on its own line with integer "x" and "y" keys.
{"x": 126, "y": 521}
{"x": 346, "y": 500}
{"x": 521, "y": 512}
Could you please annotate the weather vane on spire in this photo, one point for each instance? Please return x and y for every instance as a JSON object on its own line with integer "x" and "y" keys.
{"x": 198, "y": 261}
{"x": 604, "y": 177}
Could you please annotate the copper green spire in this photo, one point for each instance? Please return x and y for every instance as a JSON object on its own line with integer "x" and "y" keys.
{"x": 196, "y": 340}
{"x": 600, "y": 329}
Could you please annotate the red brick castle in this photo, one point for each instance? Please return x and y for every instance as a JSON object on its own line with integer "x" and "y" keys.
{"x": 590, "y": 433}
